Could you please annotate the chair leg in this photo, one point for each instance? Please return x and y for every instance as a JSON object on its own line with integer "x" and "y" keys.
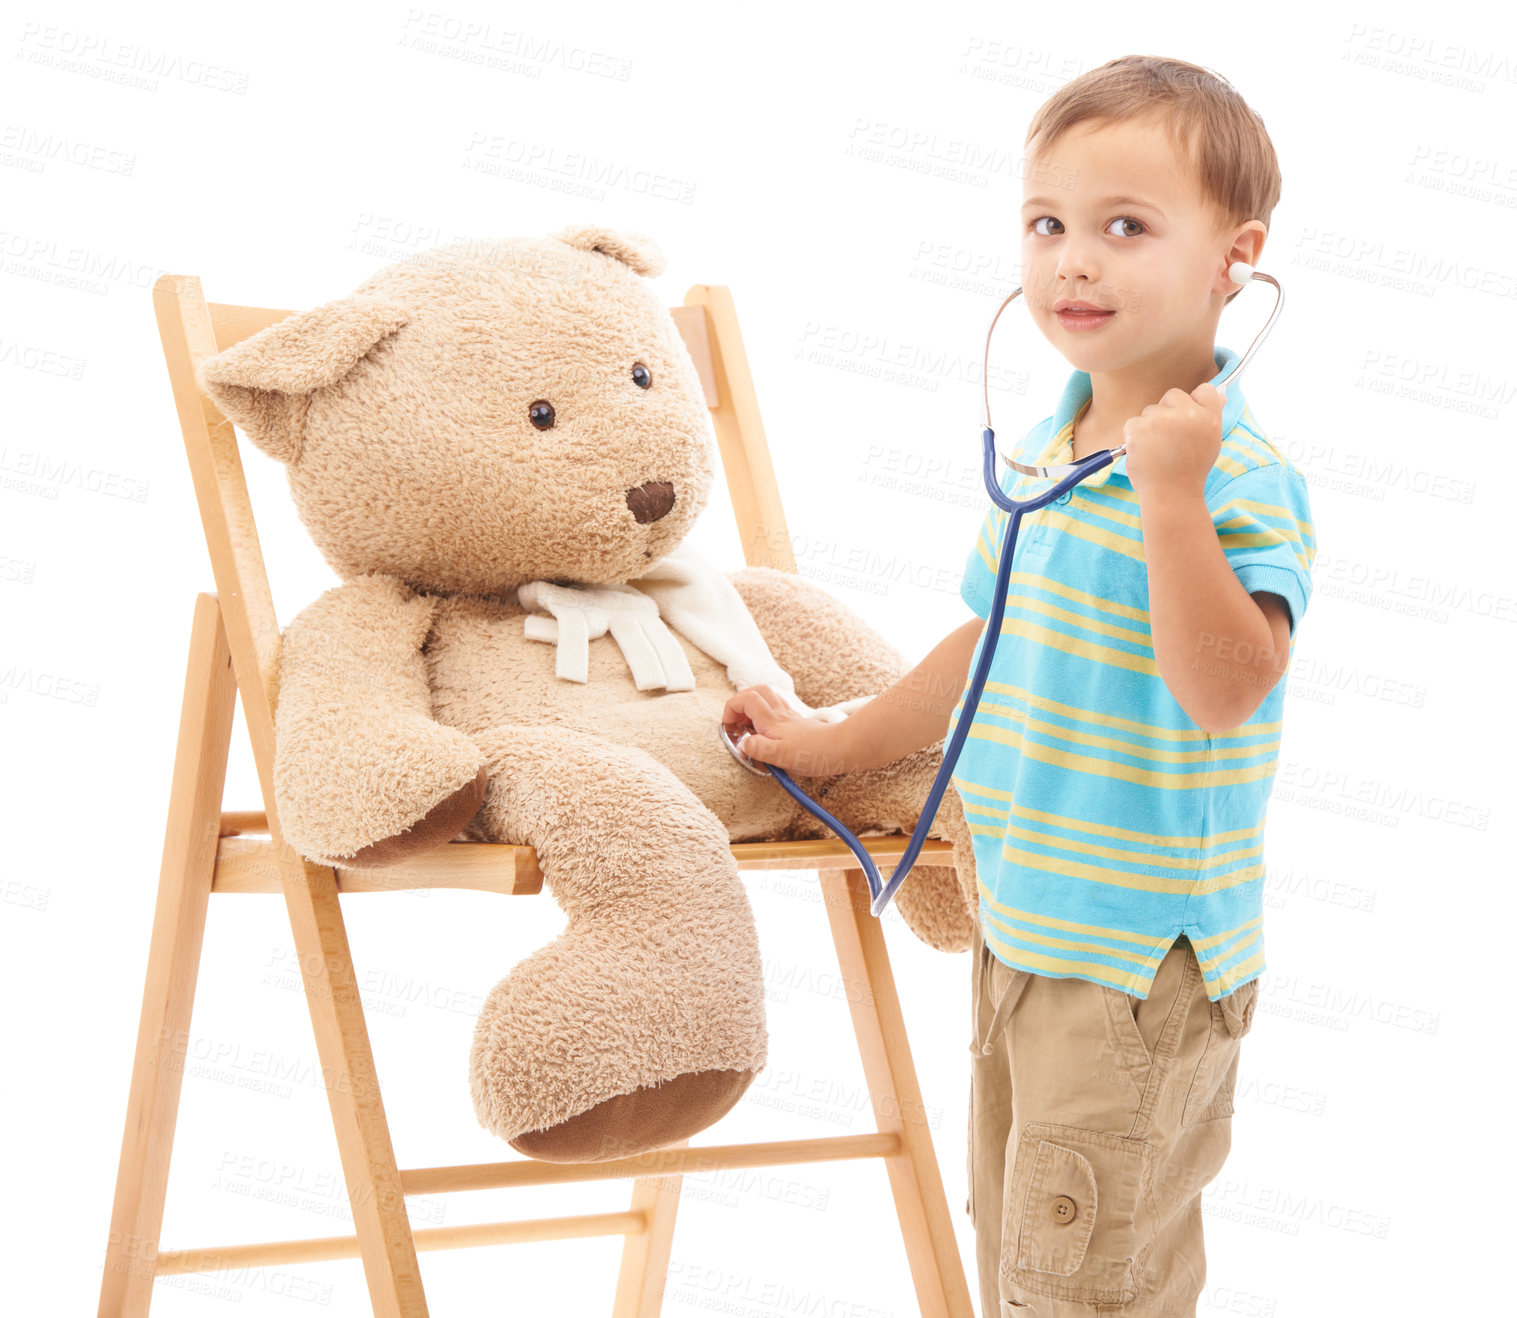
{"x": 931, "y": 1248}
{"x": 645, "y": 1255}
{"x": 184, "y": 888}
{"x": 352, "y": 1084}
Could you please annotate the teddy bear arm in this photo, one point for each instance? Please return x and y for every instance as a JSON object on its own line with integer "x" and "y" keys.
{"x": 831, "y": 653}
{"x": 364, "y": 775}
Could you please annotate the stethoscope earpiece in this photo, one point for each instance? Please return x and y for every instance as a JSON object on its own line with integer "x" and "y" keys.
{"x": 1240, "y": 272}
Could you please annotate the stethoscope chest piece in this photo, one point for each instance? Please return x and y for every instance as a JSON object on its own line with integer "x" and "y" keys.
{"x": 736, "y": 750}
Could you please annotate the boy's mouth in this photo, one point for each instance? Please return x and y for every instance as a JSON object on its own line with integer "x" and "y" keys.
{"x": 1080, "y": 315}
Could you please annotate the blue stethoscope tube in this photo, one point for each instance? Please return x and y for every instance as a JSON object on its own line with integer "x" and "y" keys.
{"x": 880, "y": 892}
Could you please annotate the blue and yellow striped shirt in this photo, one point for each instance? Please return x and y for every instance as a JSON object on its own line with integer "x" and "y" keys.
{"x": 1105, "y": 821}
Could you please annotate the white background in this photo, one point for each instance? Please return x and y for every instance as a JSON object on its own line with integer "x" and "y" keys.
{"x": 853, "y": 178}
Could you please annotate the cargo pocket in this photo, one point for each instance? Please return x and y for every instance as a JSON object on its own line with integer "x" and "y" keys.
{"x": 1072, "y": 1227}
{"x": 1216, "y": 1077}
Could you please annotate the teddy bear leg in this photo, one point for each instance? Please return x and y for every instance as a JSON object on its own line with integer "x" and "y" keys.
{"x": 643, "y": 1022}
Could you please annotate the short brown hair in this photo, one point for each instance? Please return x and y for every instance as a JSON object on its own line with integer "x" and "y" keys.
{"x": 1207, "y": 119}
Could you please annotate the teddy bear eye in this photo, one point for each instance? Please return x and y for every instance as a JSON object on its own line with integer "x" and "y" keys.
{"x": 642, "y": 377}
{"x": 540, "y": 414}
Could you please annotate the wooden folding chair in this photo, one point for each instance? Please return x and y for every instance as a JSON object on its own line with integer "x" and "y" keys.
{"x": 234, "y": 647}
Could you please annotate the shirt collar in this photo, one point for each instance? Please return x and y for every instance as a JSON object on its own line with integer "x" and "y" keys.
{"x": 1059, "y": 437}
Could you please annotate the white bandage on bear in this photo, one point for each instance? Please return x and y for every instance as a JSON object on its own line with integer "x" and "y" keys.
{"x": 695, "y": 598}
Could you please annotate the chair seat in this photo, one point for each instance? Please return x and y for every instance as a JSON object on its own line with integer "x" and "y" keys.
{"x": 249, "y": 863}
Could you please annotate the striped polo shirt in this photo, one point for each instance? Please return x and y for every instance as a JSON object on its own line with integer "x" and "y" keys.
{"x": 1105, "y": 821}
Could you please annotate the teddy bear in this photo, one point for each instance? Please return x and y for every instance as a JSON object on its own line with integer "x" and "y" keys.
{"x": 500, "y": 448}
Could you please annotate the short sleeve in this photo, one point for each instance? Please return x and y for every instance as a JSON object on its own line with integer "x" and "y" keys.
{"x": 1264, "y": 522}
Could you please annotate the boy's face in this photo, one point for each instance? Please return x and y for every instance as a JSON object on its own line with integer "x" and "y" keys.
{"x": 1159, "y": 265}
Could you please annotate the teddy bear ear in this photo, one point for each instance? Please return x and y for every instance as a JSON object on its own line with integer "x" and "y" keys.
{"x": 638, "y": 250}
{"x": 264, "y": 384}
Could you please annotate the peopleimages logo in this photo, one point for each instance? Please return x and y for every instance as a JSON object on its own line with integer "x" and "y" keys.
{"x": 49, "y": 473}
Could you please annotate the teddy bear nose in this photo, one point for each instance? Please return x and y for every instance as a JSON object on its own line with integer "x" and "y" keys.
{"x": 651, "y": 500}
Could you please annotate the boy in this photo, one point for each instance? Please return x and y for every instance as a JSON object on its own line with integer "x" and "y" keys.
{"x": 1117, "y": 772}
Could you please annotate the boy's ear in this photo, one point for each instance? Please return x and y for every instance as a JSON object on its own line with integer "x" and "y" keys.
{"x": 264, "y": 384}
{"x": 1248, "y": 243}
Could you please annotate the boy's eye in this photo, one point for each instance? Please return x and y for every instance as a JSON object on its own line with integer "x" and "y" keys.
{"x": 1121, "y": 219}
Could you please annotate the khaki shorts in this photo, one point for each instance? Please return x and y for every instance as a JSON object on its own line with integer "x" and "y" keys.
{"x": 1095, "y": 1120}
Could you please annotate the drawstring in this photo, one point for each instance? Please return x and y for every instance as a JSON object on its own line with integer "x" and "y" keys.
{"x": 984, "y": 1044}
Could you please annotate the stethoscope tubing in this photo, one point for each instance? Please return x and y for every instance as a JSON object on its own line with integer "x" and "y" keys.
{"x": 880, "y": 890}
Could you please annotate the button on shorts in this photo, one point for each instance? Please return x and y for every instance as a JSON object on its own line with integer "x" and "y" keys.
{"x": 1096, "y": 1118}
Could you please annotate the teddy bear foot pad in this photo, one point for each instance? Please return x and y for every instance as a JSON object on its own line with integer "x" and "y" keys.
{"x": 648, "y": 1118}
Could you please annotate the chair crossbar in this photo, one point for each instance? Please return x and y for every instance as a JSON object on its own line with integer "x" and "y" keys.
{"x": 321, "y": 1249}
{"x": 673, "y": 1162}
{"x": 690, "y": 1161}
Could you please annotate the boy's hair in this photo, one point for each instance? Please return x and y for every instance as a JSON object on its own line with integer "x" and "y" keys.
{"x": 1209, "y": 123}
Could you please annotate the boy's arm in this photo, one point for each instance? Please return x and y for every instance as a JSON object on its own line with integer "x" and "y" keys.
{"x": 1226, "y": 567}
{"x": 1219, "y": 649}
{"x": 915, "y": 711}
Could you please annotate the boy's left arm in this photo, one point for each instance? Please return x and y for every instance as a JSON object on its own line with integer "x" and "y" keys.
{"x": 1220, "y": 648}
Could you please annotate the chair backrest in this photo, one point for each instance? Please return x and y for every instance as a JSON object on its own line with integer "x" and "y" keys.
{"x": 193, "y": 329}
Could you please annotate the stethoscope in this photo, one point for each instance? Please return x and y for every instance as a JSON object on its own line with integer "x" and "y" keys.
{"x": 1068, "y": 474}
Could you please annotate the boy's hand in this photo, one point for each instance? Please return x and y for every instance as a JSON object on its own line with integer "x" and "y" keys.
{"x": 1173, "y": 444}
{"x": 781, "y": 735}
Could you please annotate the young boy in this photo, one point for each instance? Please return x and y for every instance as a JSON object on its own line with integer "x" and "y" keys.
{"x": 1117, "y": 771}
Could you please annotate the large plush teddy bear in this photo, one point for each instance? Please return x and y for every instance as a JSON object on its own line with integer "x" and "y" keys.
{"x": 499, "y": 447}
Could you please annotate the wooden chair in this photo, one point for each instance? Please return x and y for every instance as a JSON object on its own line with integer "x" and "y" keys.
{"x": 234, "y": 647}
